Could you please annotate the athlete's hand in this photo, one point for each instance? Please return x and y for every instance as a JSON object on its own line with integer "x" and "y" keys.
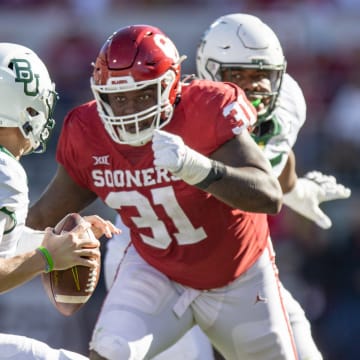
{"x": 172, "y": 154}
{"x": 72, "y": 248}
{"x": 310, "y": 191}
{"x": 169, "y": 151}
{"x": 100, "y": 226}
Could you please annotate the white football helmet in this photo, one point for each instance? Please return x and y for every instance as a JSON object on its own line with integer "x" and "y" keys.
{"x": 27, "y": 95}
{"x": 242, "y": 41}
{"x": 133, "y": 58}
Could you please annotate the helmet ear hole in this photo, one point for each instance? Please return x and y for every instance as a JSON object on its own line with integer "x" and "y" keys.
{"x": 27, "y": 128}
{"x": 31, "y": 111}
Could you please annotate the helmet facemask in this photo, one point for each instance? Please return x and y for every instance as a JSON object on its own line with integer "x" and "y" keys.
{"x": 130, "y": 129}
{"x": 37, "y": 122}
{"x": 236, "y": 42}
{"x": 267, "y": 80}
{"x": 136, "y": 58}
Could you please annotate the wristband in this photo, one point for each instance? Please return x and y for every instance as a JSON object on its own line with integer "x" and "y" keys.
{"x": 217, "y": 171}
{"x": 49, "y": 263}
{"x": 195, "y": 167}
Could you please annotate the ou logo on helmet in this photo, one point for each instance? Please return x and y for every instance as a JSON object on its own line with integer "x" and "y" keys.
{"x": 167, "y": 47}
{"x": 24, "y": 74}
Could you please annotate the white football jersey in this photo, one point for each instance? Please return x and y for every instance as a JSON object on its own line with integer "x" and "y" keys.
{"x": 14, "y": 201}
{"x": 278, "y": 135}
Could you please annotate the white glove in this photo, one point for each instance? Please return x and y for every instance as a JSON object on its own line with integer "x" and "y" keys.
{"x": 172, "y": 154}
{"x": 310, "y": 191}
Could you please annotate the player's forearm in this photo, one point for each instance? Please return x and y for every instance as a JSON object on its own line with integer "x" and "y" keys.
{"x": 61, "y": 197}
{"x": 19, "y": 269}
{"x": 248, "y": 189}
{"x": 39, "y": 216}
{"x": 248, "y": 183}
{"x": 288, "y": 177}
{"x": 237, "y": 172}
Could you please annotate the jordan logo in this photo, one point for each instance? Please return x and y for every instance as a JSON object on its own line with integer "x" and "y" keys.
{"x": 259, "y": 298}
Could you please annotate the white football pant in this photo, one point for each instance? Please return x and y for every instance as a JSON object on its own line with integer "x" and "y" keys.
{"x": 194, "y": 345}
{"x": 144, "y": 313}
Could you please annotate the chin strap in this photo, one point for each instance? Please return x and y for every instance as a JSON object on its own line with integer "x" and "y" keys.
{"x": 310, "y": 191}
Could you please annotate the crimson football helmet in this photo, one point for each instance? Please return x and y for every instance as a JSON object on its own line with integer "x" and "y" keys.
{"x": 134, "y": 58}
{"x": 27, "y": 95}
{"x": 243, "y": 42}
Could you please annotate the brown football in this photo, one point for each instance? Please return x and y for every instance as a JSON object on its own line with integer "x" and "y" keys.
{"x": 70, "y": 289}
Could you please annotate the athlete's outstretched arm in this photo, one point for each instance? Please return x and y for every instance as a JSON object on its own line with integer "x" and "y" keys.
{"x": 62, "y": 196}
{"x": 241, "y": 176}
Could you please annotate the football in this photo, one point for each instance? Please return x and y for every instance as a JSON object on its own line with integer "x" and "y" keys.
{"x": 70, "y": 289}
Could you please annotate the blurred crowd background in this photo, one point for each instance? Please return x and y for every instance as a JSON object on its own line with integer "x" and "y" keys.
{"x": 321, "y": 41}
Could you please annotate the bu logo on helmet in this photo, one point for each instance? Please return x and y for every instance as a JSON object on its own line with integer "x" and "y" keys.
{"x": 25, "y": 75}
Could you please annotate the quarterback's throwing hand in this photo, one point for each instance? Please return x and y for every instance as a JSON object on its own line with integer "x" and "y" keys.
{"x": 310, "y": 191}
{"x": 172, "y": 154}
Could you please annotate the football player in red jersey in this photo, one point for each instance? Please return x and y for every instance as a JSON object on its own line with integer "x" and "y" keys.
{"x": 178, "y": 164}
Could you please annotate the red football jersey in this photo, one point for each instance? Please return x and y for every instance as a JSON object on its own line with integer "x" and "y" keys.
{"x": 184, "y": 232}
